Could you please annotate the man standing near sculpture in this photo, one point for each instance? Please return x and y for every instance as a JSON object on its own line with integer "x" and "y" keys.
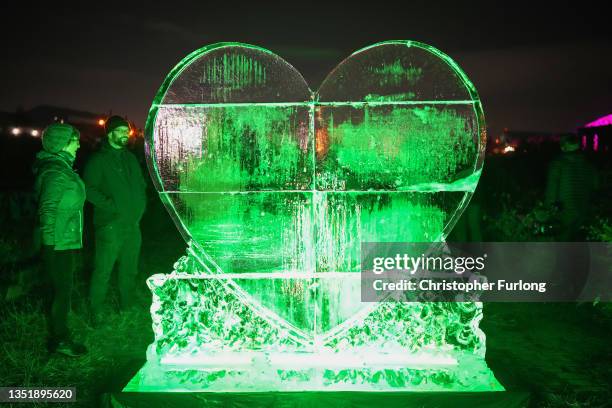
{"x": 116, "y": 188}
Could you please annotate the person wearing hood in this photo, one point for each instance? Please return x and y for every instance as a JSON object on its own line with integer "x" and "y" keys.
{"x": 61, "y": 195}
{"x": 571, "y": 184}
{"x": 116, "y": 188}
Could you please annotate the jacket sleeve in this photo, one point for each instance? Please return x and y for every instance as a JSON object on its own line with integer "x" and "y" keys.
{"x": 92, "y": 176}
{"x": 552, "y": 183}
{"x": 141, "y": 178}
{"x": 51, "y": 190}
{"x": 142, "y": 184}
{"x": 595, "y": 180}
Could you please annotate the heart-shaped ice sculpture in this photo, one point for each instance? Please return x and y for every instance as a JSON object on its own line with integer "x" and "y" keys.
{"x": 276, "y": 187}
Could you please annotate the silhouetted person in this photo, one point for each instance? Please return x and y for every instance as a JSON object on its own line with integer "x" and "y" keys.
{"x": 116, "y": 188}
{"x": 61, "y": 195}
{"x": 571, "y": 183}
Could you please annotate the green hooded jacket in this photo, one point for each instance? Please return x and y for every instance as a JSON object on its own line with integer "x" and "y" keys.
{"x": 61, "y": 195}
{"x": 115, "y": 186}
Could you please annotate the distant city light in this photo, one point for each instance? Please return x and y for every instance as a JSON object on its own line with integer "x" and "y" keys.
{"x": 508, "y": 149}
{"x": 16, "y": 131}
{"x": 34, "y": 132}
{"x": 101, "y": 122}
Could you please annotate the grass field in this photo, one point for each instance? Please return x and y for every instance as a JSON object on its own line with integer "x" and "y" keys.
{"x": 561, "y": 353}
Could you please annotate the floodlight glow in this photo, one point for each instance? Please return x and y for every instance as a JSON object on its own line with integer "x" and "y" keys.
{"x": 16, "y": 131}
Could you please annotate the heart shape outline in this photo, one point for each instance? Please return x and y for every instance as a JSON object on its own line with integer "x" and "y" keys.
{"x": 211, "y": 267}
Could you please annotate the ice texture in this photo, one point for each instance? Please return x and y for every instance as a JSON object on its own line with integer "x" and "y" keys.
{"x": 275, "y": 187}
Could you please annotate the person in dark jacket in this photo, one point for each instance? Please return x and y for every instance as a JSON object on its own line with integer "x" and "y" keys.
{"x": 61, "y": 195}
{"x": 116, "y": 187}
{"x": 571, "y": 183}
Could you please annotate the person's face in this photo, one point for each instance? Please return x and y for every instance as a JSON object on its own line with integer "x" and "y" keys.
{"x": 120, "y": 136}
{"x": 73, "y": 146}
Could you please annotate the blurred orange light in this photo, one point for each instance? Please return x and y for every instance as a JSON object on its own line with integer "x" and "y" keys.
{"x": 131, "y": 132}
{"x": 101, "y": 122}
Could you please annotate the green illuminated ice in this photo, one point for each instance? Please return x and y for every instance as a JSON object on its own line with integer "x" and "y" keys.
{"x": 274, "y": 187}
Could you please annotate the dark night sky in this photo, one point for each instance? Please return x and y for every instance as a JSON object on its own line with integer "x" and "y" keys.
{"x": 536, "y": 68}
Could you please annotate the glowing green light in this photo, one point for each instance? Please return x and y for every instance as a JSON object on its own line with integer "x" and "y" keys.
{"x": 275, "y": 187}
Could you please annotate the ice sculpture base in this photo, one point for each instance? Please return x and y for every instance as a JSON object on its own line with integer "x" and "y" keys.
{"x": 258, "y": 372}
{"x": 214, "y": 334}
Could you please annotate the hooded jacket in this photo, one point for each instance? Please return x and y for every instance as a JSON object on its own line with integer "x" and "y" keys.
{"x": 115, "y": 186}
{"x": 61, "y": 195}
{"x": 572, "y": 180}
